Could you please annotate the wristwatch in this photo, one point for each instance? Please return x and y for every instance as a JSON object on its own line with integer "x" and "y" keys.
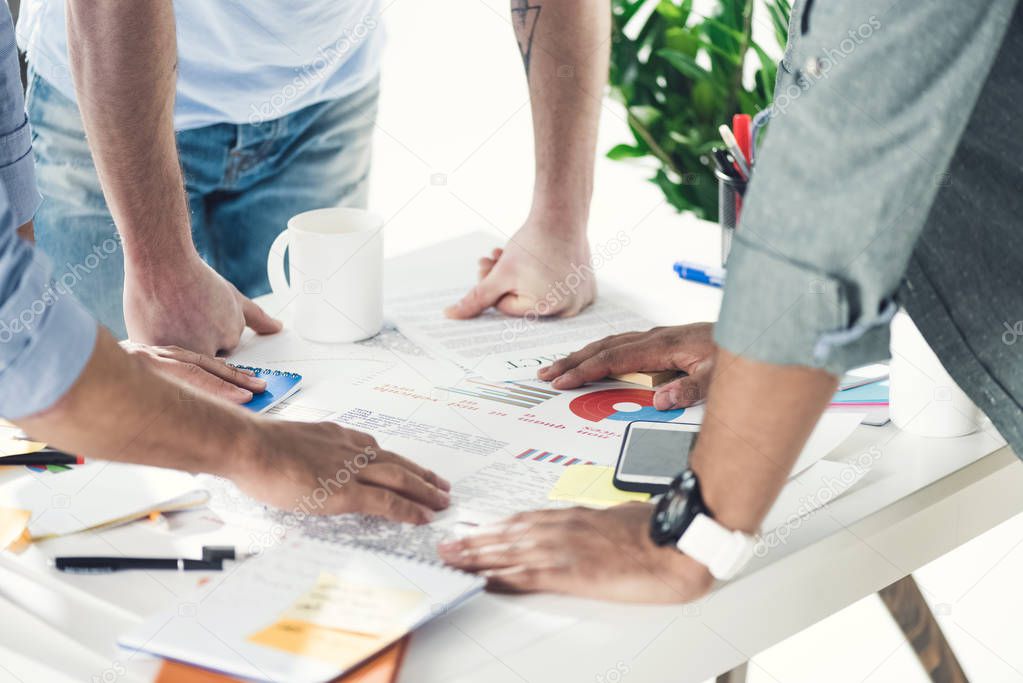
{"x": 682, "y": 519}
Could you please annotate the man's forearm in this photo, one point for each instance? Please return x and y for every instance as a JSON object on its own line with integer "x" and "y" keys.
{"x": 124, "y": 62}
{"x": 142, "y": 417}
{"x": 758, "y": 419}
{"x": 565, "y": 46}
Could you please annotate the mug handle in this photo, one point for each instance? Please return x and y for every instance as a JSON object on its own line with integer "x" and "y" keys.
{"x": 275, "y": 264}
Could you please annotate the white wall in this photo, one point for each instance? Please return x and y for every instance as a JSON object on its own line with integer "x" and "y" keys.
{"x": 455, "y": 102}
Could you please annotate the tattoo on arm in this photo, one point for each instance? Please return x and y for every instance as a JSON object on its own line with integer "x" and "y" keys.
{"x": 524, "y": 19}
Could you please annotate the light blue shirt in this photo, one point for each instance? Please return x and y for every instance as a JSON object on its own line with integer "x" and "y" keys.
{"x": 240, "y": 61}
{"x": 46, "y": 337}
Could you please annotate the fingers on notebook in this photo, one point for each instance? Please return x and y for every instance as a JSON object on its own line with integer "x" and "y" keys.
{"x": 202, "y": 380}
{"x": 430, "y": 476}
{"x": 229, "y": 373}
{"x": 394, "y": 477}
{"x": 372, "y": 500}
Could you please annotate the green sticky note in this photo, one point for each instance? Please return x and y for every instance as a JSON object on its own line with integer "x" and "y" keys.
{"x": 592, "y": 486}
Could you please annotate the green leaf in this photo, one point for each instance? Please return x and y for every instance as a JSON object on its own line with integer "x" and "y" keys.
{"x": 682, "y": 40}
{"x": 646, "y": 115}
{"x": 684, "y": 64}
{"x": 669, "y": 11}
{"x": 623, "y": 151}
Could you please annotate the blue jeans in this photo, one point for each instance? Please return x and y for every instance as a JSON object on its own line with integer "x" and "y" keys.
{"x": 243, "y": 182}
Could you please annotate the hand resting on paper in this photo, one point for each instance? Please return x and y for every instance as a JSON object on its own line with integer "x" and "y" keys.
{"x": 323, "y": 468}
{"x": 537, "y": 273}
{"x": 120, "y": 409}
{"x": 604, "y": 554}
{"x": 689, "y": 348}
{"x": 208, "y": 374}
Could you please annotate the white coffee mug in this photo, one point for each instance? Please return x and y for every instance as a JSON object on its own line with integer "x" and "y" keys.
{"x": 925, "y": 400}
{"x": 336, "y": 263}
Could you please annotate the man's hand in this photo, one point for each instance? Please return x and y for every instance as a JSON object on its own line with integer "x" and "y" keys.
{"x": 205, "y": 373}
{"x": 538, "y": 272}
{"x": 605, "y": 554}
{"x": 190, "y": 306}
{"x": 689, "y": 348}
{"x": 326, "y": 469}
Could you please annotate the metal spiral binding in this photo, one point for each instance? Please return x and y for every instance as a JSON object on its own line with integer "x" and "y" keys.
{"x": 267, "y": 371}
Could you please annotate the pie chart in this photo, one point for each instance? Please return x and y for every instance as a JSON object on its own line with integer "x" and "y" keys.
{"x": 625, "y": 405}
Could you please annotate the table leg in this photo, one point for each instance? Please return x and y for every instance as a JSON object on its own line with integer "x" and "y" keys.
{"x": 907, "y": 606}
{"x": 736, "y": 675}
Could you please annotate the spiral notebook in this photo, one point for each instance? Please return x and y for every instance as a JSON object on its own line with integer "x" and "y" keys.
{"x": 280, "y": 384}
{"x": 304, "y": 610}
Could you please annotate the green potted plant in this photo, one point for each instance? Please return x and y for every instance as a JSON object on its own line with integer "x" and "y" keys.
{"x": 680, "y": 75}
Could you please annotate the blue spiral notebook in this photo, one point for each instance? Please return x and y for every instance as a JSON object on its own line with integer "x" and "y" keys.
{"x": 280, "y": 384}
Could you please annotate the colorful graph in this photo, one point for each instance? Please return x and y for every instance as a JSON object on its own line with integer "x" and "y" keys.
{"x": 508, "y": 393}
{"x": 552, "y": 458}
{"x": 625, "y": 405}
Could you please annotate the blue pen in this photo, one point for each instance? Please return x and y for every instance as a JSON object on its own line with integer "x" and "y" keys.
{"x": 705, "y": 275}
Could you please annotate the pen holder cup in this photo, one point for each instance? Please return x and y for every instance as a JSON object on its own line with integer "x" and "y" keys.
{"x": 730, "y": 194}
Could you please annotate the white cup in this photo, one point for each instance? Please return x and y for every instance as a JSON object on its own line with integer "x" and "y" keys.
{"x": 924, "y": 399}
{"x": 336, "y": 263}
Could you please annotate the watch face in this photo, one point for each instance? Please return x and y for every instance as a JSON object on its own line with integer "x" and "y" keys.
{"x": 673, "y": 513}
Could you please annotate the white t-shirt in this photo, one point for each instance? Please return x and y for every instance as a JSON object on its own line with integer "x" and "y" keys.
{"x": 240, "y": 61}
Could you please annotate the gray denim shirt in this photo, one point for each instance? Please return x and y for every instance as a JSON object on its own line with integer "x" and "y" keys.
{"x": 891, "y": 174}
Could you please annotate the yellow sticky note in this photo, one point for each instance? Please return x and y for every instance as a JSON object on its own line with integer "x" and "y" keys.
{"x": 13, "y": 526}
{"x": 343, "y": 649}
{"x": 593, "y": 486}
{"x": 339, "y": 603}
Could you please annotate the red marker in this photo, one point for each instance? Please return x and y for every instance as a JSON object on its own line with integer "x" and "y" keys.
{"x": 741, "y": 127}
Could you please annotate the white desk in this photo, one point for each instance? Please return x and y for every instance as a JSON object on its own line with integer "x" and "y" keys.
{"x": 921, "y": 499}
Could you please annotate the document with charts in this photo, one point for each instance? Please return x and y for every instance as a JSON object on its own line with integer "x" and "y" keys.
{"x": 422, "y": 284}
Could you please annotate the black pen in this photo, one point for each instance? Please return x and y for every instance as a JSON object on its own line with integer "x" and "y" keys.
{"x": 108, "y": 565}
{"x": 41, "y": 459}
{"x": 213, "y": 557}
{"x": 724, "y": 164}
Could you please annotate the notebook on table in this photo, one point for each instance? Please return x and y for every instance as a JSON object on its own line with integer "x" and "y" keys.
{"x": 92, "y": 496}
{"x": 304, "y": 611}
{"x": 383, "y": 668}
{"x": 280, "y": 384}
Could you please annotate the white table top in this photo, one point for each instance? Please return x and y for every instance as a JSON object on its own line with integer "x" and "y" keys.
{"x": 922, "y": 498}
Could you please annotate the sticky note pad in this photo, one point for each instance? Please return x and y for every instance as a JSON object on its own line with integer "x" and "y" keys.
{"x": 343, "y": 649}
{"x": 13, "y": 526}
{"x": 340, "y": 621}
{"x": 593, "y": 486}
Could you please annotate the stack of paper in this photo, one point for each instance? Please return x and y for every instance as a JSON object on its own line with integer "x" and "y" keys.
{"x": 91, "y": 496}
{"x": 322, "y": 609}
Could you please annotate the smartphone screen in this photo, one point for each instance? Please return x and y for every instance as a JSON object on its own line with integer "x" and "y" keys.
{"x": 654, "y": 453}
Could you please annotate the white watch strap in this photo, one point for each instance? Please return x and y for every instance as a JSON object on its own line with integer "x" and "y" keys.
{"x": 724, "y": 552}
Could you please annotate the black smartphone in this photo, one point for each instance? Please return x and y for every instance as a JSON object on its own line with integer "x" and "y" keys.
{"x": 653, "y": 454}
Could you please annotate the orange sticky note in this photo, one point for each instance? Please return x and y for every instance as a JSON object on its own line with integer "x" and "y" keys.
{"x": 13, "y": 527}
{"x": 343, "y": 649}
